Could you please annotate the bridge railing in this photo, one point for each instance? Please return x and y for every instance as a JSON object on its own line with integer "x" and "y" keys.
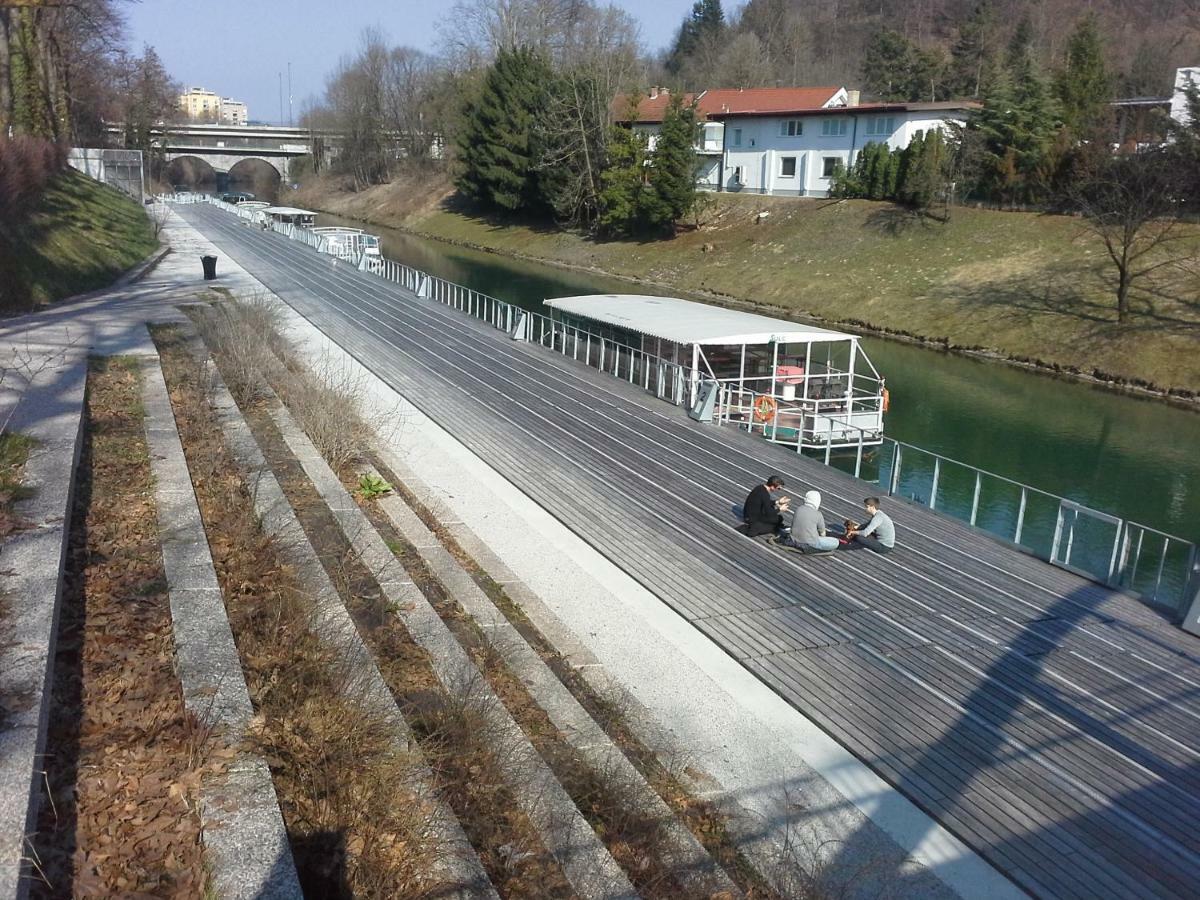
{"x": 1117, "y": 552}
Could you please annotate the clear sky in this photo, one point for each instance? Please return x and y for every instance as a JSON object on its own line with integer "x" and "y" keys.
{"x": 238, "y": 47}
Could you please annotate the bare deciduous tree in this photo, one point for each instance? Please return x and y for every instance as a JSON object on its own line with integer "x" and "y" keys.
{"x": 476, "y": 30}
{"x": 1131, "y": 204}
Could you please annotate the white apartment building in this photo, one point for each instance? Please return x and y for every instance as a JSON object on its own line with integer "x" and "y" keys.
{"x": 795, "y": 152}
{"x": 786, "y": 141}
{"x": 207, "y": 106}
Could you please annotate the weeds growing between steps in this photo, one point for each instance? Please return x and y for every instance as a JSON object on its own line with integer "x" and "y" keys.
{"x": 124, "y": 758}
{"x": 343, "y": 786}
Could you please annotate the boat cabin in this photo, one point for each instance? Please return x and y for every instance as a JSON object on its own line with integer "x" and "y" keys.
{"x": 796, "y": 384}
{"x": 348, "y": 243}
{"x": 289, "y": 215}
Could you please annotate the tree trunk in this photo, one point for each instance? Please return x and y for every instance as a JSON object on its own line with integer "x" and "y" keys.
{"x": 1123, "y": 294}
{"x": 6, "y": 100}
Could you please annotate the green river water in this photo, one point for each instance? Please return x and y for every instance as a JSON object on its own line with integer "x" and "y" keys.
{"x": 1137, "y": 459}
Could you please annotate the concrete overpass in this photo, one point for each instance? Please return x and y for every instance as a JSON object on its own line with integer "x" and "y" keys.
{"x": 223, "y": 147}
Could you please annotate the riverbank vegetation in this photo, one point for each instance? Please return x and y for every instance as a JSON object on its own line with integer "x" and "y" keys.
{"x": 78, "y": 237}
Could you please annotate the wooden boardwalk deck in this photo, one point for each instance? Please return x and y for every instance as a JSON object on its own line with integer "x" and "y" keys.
{"x": 1052, "y": 724}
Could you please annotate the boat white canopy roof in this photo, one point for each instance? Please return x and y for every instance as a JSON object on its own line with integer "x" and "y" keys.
{"x": 687, "y": 322}
{"x": 288, "y": 211}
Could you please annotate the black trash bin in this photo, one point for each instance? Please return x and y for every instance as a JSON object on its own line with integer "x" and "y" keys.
{"x": 210, "y": 267}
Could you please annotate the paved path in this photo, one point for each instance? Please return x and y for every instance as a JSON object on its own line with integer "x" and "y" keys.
{"x": 1050, "y": 723}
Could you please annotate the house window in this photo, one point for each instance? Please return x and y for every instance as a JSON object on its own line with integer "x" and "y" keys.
{"x": 787, "y": 167}
{"x": 833, "y": 127}
{"x": 880, "y": 125}
{"x": 737, "y": 137}
{"x": 791, "y": 128}
{"x": 737, "y": 174}
{"x": 829, "y": 165}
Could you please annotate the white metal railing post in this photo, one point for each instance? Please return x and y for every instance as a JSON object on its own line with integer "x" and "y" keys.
{"x": 1058, "y": 527}
{"x": 858, "y": 456}
{"x": 975, "y": 500}
{"x": 895, "y": 480}
{"x": 1162, "y": 562}
{"x": 828, "y": 440}
{"x": 1112, "y": 560}
{"x": 937, "y": 471}
{"x": 1020, "y": 516}
{"x": 1123, "y": 562}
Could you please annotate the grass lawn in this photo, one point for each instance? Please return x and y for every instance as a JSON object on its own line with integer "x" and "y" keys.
{"x": 1026, "y": 286}
{"x": 81, "y": 237}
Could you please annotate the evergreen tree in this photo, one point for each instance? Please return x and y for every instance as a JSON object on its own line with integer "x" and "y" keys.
{"x": 707, "y": 21}
{"x": 924, "y": 163}
{"x": 1084, "y": 85}
{"x": 498, "y": 143}
{"x": 1020, "y": 45}
{"x": 894, "y": 68}
{"x": 887, "y": 65}
{"x": 890, "y": 178}
{"x": 673, "y": 169}
{"x": 971, "y": 55}
{"x": 623, "y": 181}
{"x": 1017, "y": 127}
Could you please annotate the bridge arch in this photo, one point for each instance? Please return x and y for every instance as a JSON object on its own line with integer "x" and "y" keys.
{"x": 225, "y": 158}
{"x": 193, "y": 171}
{"x": 257, "y": 176}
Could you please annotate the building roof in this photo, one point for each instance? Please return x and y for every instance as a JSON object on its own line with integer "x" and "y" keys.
{"x": 724, "y": 100}
{"x": 651, "y": 110}
{"x": 940, "y": 106}
{"x": 686, "y": 322}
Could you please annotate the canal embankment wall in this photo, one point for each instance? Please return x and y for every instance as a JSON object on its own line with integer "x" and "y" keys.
{"x": 1025, "y": 289}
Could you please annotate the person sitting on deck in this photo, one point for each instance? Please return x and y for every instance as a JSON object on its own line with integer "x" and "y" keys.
{"x": 808, "y": 528}
{"x": 879, "y": 534}
{"x": 761, "y": 512}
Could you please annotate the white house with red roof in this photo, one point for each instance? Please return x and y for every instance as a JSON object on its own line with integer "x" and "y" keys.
{"x": 794, "y": 152}
{"x": 788, "y": 141}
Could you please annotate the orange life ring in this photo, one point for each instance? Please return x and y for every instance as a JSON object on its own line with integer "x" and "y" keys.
{"x": 887, "y": 400}
{"x": 764, "y": 408}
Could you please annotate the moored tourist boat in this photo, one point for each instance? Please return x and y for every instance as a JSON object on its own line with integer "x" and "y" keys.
{"x": 796, "y": 384}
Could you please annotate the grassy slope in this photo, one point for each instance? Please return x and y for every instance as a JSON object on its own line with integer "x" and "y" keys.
{"x": 82, "y": 236}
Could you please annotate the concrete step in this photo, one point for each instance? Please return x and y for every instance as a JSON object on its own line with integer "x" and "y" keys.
{"x": 32, "y": 562}
{"x": 459, "y": 866}
{"x": 244, "y": 835}
{"x": 566, "y": 833}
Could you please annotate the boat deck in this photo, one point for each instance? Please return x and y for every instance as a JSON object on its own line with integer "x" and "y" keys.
{"x": 1050, "y": 723}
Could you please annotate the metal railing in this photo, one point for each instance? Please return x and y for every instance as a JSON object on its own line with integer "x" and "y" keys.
{"x": 1114, "y": 551}
{"x": 1117, "y": 552}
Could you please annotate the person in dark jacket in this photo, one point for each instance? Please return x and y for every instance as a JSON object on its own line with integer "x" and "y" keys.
{"x": 762, "y": 512}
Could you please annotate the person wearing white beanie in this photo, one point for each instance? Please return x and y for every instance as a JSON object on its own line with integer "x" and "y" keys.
{"x": 808, "y": 528}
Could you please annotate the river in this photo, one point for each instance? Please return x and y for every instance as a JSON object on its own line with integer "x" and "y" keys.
{"x": 1132, "y": 457}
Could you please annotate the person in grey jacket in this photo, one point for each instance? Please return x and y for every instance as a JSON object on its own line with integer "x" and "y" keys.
{"x": 808, "y": 528}
{"x": 879, "y": 534}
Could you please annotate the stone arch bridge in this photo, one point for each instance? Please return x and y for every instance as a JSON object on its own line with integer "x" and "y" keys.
{"x": 224, "y": 146}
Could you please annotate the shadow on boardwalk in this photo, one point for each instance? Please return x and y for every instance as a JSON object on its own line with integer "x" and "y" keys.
{"x": 1114, "y": 828}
